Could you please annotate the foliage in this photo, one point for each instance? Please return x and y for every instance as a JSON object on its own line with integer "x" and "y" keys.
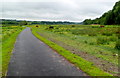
{"x": 109, "y": 18}
{"x": 7, "y": 22}
{"x": 23, "y": 23}
{"x": 51, "y": 22}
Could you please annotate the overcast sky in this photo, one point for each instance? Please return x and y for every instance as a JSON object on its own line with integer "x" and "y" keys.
{"x": 55, "y": 10}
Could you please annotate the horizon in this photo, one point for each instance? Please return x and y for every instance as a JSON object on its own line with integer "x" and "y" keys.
{"x": 44, "y": 10}
{"x": 37, "y": 20}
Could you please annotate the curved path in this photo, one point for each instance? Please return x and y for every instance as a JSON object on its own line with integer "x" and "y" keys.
{"x": 31, "y": 57}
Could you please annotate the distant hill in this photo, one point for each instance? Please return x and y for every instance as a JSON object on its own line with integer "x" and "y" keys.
{"x": 111, "y": 17}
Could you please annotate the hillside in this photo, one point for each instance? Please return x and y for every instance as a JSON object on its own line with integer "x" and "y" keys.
{"x": 111, "y": 17}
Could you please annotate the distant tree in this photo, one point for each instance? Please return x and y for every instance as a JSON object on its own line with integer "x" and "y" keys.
{"x": 87, "y": 21}
{"x": 9, "y": 22}
{"x": 23, "y": 23}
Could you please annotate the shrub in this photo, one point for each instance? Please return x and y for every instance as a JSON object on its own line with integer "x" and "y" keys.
{"x": 85, "y": 42}
{"x": 73, "y": 25}
{"x": 51, "y": 27}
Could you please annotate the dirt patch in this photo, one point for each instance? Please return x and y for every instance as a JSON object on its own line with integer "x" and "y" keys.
{"x": 102, "y": 64}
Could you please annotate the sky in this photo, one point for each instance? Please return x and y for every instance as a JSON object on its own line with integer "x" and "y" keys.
{"x": 54, "y": 10}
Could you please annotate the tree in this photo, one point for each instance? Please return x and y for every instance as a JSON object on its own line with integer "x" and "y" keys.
{"x": 109, "y": 18}
{"x": 23, "y": 23}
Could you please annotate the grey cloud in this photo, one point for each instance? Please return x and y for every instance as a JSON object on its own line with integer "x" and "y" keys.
{"x": 71, "y": 10}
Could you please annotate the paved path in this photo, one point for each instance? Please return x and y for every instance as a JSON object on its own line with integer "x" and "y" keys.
{"x": 31, "y": 57}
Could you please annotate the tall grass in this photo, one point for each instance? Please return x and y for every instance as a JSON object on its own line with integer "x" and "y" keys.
{"x": 83, "y": 64}
{"x": 0, "y": 51}
{"x": 8, "y": 41}
{"x": 98, "y": 45}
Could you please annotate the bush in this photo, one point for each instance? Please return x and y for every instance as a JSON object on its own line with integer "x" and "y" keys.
{"x": 85, "y": 42}
{"x": 51, "y": 27}
{"x": 117, "y": 46}
{"x": 73, "y": 25}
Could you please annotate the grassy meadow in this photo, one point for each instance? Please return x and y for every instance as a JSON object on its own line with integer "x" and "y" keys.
{"x": 97, "y": 46}
{"x": 0, "y": 51}
{"x": 8, "y": 36}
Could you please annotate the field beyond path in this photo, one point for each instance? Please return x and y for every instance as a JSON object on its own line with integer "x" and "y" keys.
{"x": 31, "y": 57}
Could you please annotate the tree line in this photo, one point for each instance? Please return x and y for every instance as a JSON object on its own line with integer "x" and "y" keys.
{"x": 111, "y": 17}
{"x": 7, "y": 22}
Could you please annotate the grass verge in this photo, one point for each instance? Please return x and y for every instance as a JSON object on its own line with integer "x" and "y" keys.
{"x": 84, "y": 65}
{"x": 7, "y": 47}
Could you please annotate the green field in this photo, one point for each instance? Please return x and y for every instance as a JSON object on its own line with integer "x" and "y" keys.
{"x": 0, "y": 51}
{"x": 97, "y": 45}
{"x": 8, "y": 36}
{"x": 77, "y": 32}
{"x": 91, "y": 48}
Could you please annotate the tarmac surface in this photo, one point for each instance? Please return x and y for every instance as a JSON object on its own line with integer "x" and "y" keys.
{"x": 32, "y": 57}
